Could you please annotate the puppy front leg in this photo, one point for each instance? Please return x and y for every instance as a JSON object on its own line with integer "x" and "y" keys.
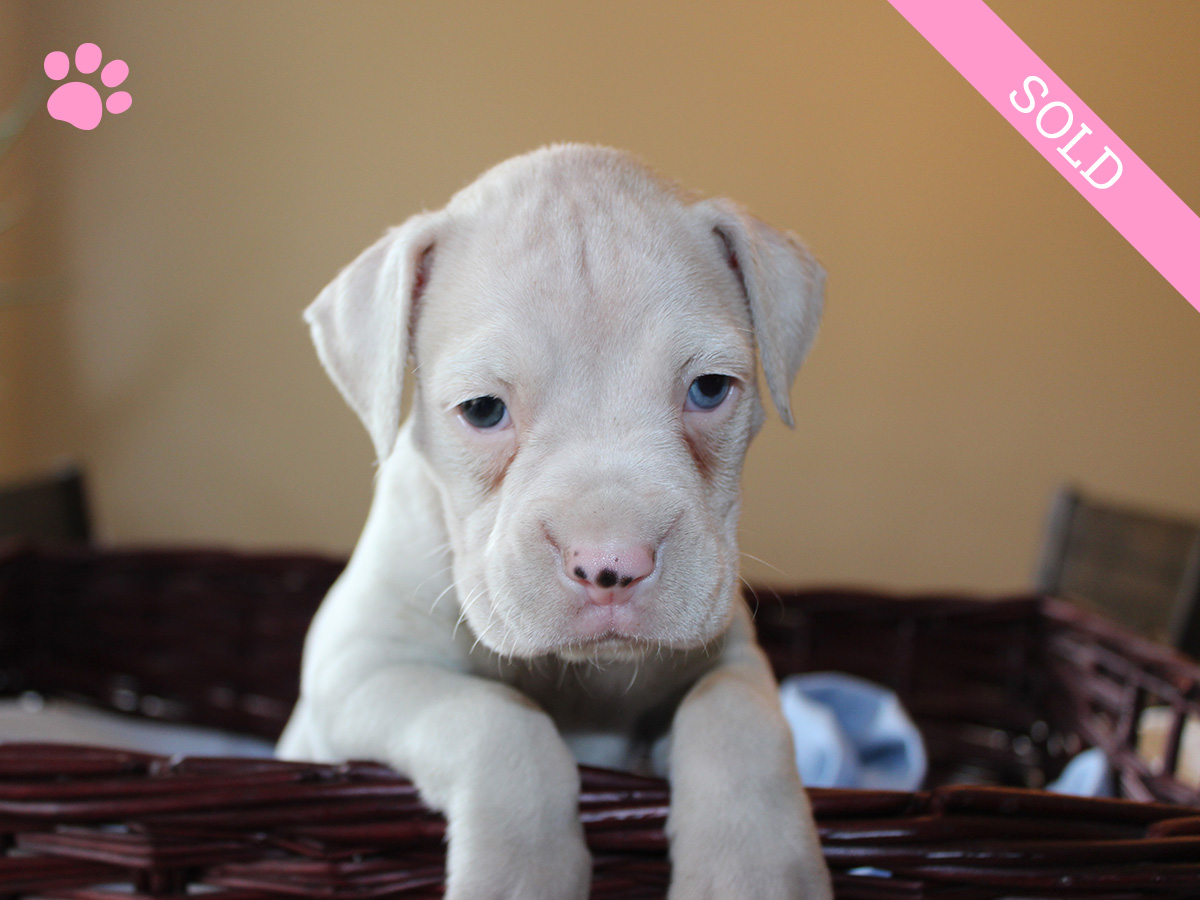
{"x": 492, "y": 762}
{"x": 740, "y": 823}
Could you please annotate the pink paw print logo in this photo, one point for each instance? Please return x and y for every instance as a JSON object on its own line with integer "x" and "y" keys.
{"x": 77, "y": 102}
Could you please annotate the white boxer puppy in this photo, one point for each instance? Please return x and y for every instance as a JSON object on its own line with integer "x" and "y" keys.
{"x": 550, "y": 564}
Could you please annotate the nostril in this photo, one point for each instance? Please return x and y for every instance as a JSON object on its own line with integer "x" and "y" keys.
{"x": 607, "y": 572}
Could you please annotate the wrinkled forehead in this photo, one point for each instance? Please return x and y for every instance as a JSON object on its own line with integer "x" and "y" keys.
{"x": 559, "y": 272}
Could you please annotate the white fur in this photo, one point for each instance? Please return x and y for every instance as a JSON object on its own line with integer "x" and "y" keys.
{"x": 587, "y": 295}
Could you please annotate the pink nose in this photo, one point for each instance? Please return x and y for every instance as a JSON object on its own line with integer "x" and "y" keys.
{"x": 609, "y": 574}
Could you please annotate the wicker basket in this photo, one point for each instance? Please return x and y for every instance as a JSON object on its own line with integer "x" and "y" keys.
{"x": 1005, "y": 691}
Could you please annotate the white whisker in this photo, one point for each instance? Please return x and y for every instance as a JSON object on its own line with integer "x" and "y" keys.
{"x": 468, "y": 601}
{"x": 491, "y": 620}
{"x": 752, "y": 593}
{"x": 437, "y": 550}
{"x": 444, "y": 592}
{"x": 637, "y": 665}
{"x": 479, "y": 637}
{"x": 763, "y": 562}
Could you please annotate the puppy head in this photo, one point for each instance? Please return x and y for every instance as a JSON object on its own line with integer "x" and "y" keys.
{"x": 585, "y": 389}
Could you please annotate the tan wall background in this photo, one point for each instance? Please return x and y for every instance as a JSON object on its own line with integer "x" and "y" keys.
{"x": 987, "y": 333}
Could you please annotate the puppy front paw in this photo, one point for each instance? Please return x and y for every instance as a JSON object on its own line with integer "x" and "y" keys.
{"x": 514, "y": 829}
{"x": 751, "y": 875}
{"x": 755, "y": 854}
{"x": 492, "y": 860}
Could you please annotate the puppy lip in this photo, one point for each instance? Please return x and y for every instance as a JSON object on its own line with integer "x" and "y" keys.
{"x": 594, "y": 626}
{"x": 611, "y": 643}
{"x": 612, "y": 635}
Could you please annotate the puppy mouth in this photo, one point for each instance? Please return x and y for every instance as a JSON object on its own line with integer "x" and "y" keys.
{"x": 606, "y": 626}
{"x": 628, "y": 631}
{"x": 564, "y": 624}
{"x": 607, "y": 645}
{"x": 610, "y": 637}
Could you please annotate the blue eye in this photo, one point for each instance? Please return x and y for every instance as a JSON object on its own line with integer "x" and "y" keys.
{"x": 708, "y": 392}
{"x": 484, "y": 412}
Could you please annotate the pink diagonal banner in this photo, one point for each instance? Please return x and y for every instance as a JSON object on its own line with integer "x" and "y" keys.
{"x": 1066, "y": 132}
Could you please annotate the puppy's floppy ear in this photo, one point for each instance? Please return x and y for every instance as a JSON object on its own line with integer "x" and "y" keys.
{"x": 362, "y": 323}
{"x": 784, "y": 287}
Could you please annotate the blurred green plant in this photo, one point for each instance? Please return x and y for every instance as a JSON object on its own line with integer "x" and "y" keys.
{"x": 13, "y": 122}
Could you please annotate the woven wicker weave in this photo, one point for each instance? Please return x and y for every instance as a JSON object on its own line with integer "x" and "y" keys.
{"x": 1005, "y": 692}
